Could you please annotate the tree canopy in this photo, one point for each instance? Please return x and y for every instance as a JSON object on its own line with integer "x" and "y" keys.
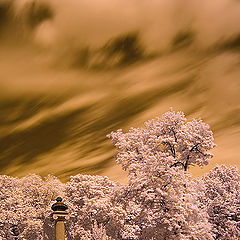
{"x": 161, "y": 200}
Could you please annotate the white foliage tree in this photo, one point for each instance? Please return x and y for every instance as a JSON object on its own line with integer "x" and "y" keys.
{"x": 179, "y": 142}
{"x": 91, "y": 207}
{"x": 25, "y": 204}
{"x": 221, "y": 199}
{"x": 160, "y": 198}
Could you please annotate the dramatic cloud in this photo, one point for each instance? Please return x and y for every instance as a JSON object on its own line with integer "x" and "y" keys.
{"x": 80, "y": 69}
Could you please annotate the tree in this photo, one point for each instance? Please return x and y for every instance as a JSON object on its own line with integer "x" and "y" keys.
{"x": 221, "y": 199}
{"x": 92, "y": 210}
{"x": 160, "y": 198}
{"x": 25, "y": 204}
{"x": 170, "y": 137}
{"x": 161, "y": 201}
{"x": 161, "y": 211}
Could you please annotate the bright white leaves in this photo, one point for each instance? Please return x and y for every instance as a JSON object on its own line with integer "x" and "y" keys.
{"x": 91, "y": 206}
{"x": 26, "y": 203}
{"x": 164, "y": 206}
{"x": 222, "y": 200}
{"x": 168, "y": 139}
{"x": 161, "y": 201}
{"x": 161, "y": 198}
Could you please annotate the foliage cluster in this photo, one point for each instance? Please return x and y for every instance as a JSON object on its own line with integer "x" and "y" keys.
{"x": 161, "y": 201}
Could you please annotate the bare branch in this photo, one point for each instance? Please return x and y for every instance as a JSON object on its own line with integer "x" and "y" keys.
{"x": 176, "y": 164}
{"x": 174, "y": 134}
{"x": 172, "y": 149}
{"x": 195, "y": 146}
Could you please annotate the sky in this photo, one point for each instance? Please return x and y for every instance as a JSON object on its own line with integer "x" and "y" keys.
{"x": 73, "y": 71}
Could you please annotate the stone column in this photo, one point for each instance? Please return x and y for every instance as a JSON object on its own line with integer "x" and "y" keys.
{"x": 59, "y": 230}
{"x": 60, "y": 215}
